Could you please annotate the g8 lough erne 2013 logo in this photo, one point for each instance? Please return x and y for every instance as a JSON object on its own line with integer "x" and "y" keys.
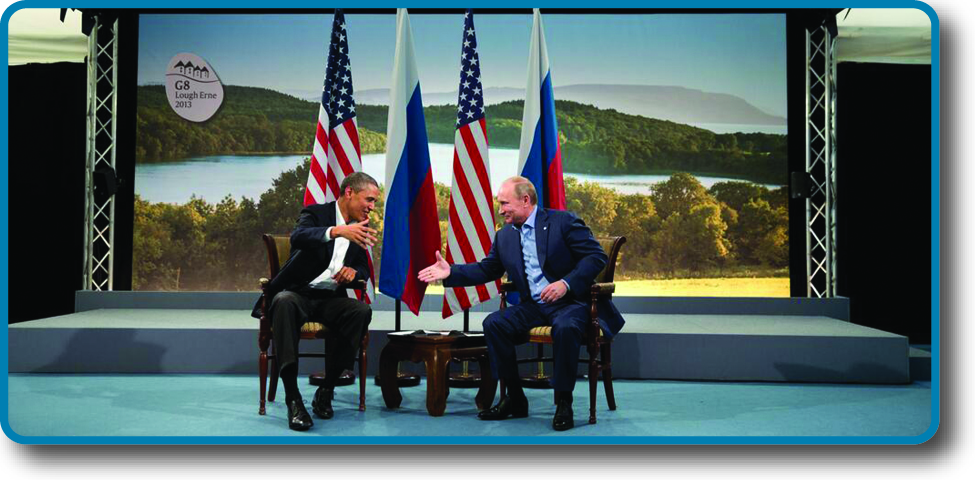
{"x": 192, "y": 87}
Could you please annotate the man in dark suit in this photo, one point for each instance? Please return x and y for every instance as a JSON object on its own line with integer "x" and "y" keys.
{"x": 328, "y": 251}
{"x": 553, "y": 259}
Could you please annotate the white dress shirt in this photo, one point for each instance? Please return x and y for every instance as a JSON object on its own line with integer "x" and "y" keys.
{"x": 325, "y": 280}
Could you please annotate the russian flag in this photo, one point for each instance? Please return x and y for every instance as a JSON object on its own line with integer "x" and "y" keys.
{"x": 540, "y": 157}
{"x": 411, "y": 231}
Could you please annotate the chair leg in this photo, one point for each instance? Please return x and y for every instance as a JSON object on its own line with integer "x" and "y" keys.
{"x": 607, "y": 361}
{"x": 363, "y": 359}
{"x": 262, "y": 372}
{"x": 273, "y": 387}
{"x": 593, "y": 375}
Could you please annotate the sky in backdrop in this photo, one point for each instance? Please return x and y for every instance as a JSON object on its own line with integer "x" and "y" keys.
{"x": 737, "y": 54}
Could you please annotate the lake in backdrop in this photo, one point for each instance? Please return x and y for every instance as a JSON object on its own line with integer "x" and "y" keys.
{"x": 213, "y": 178}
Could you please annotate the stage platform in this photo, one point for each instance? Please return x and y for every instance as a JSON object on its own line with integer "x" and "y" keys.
{"x": 769, "y": 340}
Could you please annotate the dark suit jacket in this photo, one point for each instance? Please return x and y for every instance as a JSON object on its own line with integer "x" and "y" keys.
{"x": 311, "y": 254}
{"x": 566, "y": 250}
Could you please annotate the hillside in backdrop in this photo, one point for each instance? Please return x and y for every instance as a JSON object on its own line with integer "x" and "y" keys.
{"x": 677, "y": 104}
{"x": 594, "y": 140}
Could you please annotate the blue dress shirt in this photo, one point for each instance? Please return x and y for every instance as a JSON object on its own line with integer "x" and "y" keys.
{"x": 529, "y": 252}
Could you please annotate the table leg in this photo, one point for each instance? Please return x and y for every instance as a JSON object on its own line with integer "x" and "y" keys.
{"x": 388, "y": 361}
{"x": 436, "y": 364}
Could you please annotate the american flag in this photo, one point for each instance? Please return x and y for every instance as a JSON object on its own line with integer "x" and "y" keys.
{"x": 336, "y": 135}
{"x": 471, "y": 224}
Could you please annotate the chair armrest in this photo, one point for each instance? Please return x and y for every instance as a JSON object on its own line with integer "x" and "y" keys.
{"x": 355, "y": 285}
{"x": 603, "y": 289}
{"x": 506, "y": 288}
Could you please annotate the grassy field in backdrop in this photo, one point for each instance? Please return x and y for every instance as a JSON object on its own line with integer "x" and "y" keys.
{"x": 693, "y": 287}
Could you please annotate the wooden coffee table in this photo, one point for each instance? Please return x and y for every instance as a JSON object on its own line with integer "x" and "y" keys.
{"x": 436, "y": 352}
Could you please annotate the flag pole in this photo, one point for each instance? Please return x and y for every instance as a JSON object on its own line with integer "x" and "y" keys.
{"x": 465, "y": 379}
{"x": 330, "y": 160}
{"x": 540, "y": 157}
{"x": 471, "y": 225}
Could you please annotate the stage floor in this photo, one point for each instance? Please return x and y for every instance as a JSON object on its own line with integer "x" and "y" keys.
{"x": 106, "y": 406}
{"x": 728, "y": 324}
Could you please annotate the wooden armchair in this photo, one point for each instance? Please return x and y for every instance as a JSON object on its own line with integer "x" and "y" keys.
{"x": 279, "y": 248}
{"x": 597, "y": 345}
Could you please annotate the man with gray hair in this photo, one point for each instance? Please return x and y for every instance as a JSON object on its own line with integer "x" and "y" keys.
{"x": 553, "y": 259}
{"x": 328, "y": 251}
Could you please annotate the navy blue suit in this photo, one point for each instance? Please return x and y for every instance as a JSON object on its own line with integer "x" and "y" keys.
{"x": 566, "y": 250}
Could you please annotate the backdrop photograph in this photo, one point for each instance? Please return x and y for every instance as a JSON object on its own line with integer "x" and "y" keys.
{"x": 672, "y": 129}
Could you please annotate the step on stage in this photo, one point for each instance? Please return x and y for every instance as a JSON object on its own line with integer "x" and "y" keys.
{"x": 722, "y": 339}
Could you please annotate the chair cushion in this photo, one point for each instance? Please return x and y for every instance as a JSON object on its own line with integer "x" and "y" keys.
{"x": 544, "y": 334}
{"x": 540, "y": 332}
{"x": 313, "y": 327}
{"x": 312, "y": 330}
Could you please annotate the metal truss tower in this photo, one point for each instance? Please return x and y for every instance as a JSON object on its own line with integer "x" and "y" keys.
{"x": 820, "y": 242}
{"x": 100, "y": 154}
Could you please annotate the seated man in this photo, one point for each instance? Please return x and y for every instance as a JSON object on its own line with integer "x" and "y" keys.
{"x": 553, "y": 259}
{"x": 328, "y": 250}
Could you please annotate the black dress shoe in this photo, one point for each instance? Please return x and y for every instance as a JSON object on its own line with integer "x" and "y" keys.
{"x": 298, "y": 418}
{"x": 507, "y": 407}
{"x": 563, "y": 416}
{"x": 322, "y": 403}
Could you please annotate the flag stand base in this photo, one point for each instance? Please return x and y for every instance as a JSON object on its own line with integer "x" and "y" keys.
{"x": 403, "y": 379}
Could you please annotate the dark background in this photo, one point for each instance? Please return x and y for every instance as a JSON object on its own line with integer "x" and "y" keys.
{"x": 884, "y": 196}
{"x": 46, "y": 171}
{"x": 883, "y": 185}
{"x": 46, "y": 162}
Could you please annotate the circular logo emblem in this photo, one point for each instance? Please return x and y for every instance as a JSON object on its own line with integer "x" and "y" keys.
{"x": 192, "y": 87}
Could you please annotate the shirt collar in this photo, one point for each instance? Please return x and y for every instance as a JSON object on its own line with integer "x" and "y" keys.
{"x": 531, "y": 218}
{"x": 339, "y": 219}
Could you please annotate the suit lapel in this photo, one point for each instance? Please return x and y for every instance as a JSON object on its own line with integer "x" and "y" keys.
{"x": 541, "y": 236}
{"x": 518, "y": 258}
{"x": 330, "y": 221}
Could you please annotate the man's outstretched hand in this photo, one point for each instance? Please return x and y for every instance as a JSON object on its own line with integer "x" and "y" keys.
{"x": 437, "y": 271}
{"x": 358, "y": 232}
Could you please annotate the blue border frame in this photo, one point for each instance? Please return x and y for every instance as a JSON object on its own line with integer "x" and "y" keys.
{"x": 510, "y": 440}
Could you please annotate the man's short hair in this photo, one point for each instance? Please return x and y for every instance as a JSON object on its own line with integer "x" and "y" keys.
{"x": 358, "y": 181}
{"x": 523, "y": 186}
